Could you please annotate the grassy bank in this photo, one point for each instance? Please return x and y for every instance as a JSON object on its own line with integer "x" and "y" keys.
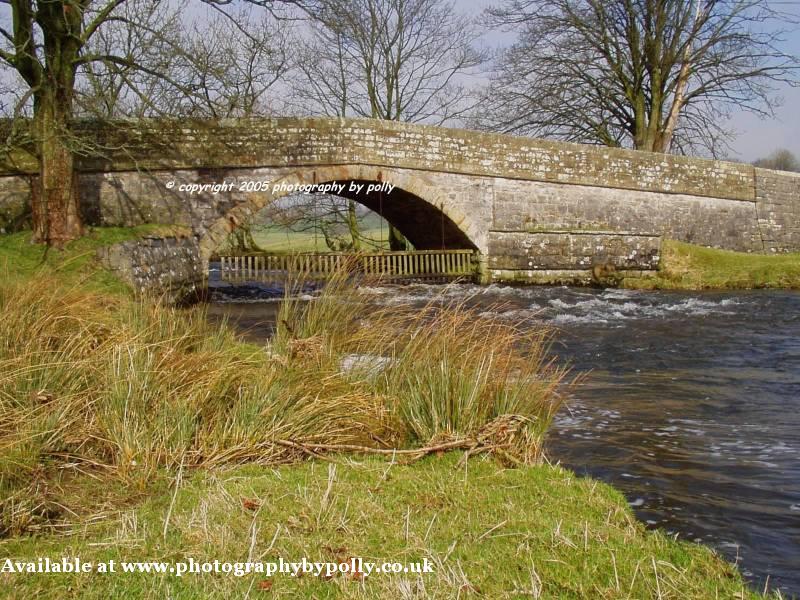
{"x": 489, "y": 532}
{"x": 100, "y": 386}
{"x": 133, "y": 431}
{"x": 689, "y": 267}
{"x": 75, "y": 265}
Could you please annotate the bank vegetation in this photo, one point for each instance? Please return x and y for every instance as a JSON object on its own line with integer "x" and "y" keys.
{"x": 130, "y": 430}
{"x": 100, "y": 386}
{"x": 690, "y": 267}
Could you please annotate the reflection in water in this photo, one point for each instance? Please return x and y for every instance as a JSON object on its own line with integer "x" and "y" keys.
{"x": 692, "y": 407}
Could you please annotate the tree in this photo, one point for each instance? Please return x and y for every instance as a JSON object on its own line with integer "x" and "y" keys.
{"x": 236, "y": 62}
{"x": 657, "y": 75}
{"x": 780, "y": 160}
{"x": 50, "y": 45}
{"x": 225, "y": 67}
{"x": 155, "y": 55}
{"x": 399, "y": 60}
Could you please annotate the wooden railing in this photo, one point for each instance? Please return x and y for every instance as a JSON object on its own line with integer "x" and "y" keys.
{"x": 419, "y": 265}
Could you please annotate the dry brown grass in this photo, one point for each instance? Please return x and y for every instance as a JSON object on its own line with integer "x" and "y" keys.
{"x": 109, "y": 388}
{"x": 444, "y": 371}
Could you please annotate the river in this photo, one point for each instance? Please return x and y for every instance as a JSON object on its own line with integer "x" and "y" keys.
{"x": 691, "y": 405}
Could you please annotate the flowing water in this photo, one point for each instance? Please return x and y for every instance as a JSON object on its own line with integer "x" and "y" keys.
{"x": 691, "y": 406}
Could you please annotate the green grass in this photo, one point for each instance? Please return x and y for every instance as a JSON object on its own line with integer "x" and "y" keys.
{"x": 689, "y": 267}
{"x": 273, "y": 239}
{"x": 489, "y": 532}
{"x": 75, "y": 264}
{"x": 105, "y": 399}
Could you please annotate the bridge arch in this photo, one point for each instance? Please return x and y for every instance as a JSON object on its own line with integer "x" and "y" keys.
{"x": 417, "y": 208}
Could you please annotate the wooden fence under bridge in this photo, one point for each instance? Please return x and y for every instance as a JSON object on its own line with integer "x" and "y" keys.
{"x": 433, "y": 266}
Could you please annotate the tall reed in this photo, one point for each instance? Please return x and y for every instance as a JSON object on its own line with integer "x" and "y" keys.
{"x": 121, "y": 388}
{"x": 445, "y": 371}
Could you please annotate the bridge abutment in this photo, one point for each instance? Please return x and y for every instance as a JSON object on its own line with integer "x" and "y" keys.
{"x": 168, "y": 267}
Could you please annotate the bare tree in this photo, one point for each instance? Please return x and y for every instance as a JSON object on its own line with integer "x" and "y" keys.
{"x": 235, "y": 63}
{"x": 49, "y": 44}
{"x": 657, "y": 75}
{"x": 156, "y": 56}
{"x": 780, "y": 160}
{"x": 401, "y": 60}
{"x": 226, "y": 66}
{"x": 335, "y": 219}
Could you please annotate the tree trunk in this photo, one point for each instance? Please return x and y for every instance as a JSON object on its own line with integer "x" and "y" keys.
{"x": 397, "y": 241}
{"x": 331, "y": 242}
{"x": 352, "y": 225}
{"x": 241, "y": 240}
{"x": 679, "y": 96}
{"x": 54, "y": 194}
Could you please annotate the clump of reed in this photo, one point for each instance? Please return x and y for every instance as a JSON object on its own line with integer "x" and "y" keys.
{"x": 107, "y": 387}
{"x": 444, "y": 371}
{"x": 452, "y": 373}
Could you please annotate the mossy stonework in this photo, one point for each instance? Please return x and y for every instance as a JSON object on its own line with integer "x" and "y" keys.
{"x": 530, "y": 207}
{"x": 165, "y": 265}
{"x": 14, "y": 205}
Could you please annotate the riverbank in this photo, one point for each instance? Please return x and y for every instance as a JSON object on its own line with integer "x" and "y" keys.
{"x": 487, "y": 532}
{"x": 689, "y": 267}
{"x": 683, "y": 266}
{"x": 77, "y": 264}
{"x": 138, "y": 432}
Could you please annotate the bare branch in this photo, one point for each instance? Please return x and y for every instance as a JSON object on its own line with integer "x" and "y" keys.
{"x": 390, "y": 59}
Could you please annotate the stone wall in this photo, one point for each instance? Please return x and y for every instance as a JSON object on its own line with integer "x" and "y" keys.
{"x": 548, "y": 254}
{"x": 778, "y": 210}
{"x": 168, "y": 267}
{"x": 523, "y": 206}
{"x": 14, "y": 204}
{"x": 223, "y": 144}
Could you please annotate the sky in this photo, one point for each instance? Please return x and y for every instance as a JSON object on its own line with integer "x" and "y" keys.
{"x": 758, "y": 137}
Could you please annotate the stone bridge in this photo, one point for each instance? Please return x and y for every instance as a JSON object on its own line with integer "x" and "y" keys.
{"x": 535, "y": 210}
